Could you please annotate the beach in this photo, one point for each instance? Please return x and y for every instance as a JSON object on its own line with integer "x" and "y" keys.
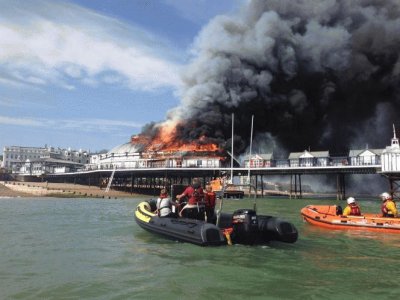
{"x": 48, "y": 189}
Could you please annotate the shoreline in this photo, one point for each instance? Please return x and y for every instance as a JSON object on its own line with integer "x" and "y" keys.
{"x": 15, "y": 189}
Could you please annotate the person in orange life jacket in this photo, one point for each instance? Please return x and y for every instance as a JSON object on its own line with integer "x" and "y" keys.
{"x": 352, "y": 208}
{"x": 388, "y": 208}
{"x": 164, "y": 205}
{"x": 209, "y": 201}
{"x": 194, "y": 208}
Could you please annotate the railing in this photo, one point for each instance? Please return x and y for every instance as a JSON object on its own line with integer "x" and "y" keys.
{"x": 269, "y": 165}
{"x": 279, "y": 163}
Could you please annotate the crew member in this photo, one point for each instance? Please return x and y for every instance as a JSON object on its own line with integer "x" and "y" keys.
{"x": 388, "y": 207}
{"x": 194, "y": 208}
{"x": 164, "y": 204}
{"x": 352, "y": 208}
{"x": 209, "y": 202}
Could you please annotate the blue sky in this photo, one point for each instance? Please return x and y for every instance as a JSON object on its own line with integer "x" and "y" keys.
{"x": 88, "y": 74}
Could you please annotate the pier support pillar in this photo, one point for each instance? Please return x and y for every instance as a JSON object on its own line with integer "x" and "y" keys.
{"x": 394, "y": 185}
{"x": 132, "y": 183}
{"x": 295, "y": 186}
{"x": 256, "y": 187}
{"x": 262, "y": 186}
{"x": 340, "y": 187}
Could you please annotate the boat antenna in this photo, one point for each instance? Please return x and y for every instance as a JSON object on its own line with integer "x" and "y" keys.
{"x": 251, "y": 145}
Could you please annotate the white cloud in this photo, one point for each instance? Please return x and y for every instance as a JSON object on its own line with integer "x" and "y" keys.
{"x": 87, "y": 125}
{"x": 23, "y": 104}
{"x": 41, "y": 48}
{"x": 20, "y": 121}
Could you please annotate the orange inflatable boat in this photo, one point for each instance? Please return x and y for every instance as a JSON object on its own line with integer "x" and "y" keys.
{"x": 329, "y": 216}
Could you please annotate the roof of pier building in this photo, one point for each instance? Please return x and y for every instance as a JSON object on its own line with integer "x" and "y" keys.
{"x": 265, "y": 156}
{"x": 127, "y": 148}
{"x": 309, "y": 154}
{"x": 365, "y": 152}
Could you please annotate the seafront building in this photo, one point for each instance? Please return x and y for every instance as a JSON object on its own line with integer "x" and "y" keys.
{"x": 42, "y": 160}
{"x": 15, "y": 156}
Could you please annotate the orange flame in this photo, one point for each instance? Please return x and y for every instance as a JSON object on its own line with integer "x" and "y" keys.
{"x": 166, "y": 140}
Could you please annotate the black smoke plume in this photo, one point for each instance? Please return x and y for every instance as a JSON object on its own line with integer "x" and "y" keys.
{"x": 315, "y": 74}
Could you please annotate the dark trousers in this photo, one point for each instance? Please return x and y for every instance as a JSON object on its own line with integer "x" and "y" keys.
{"x": 193, "y": 213}
{"x": 210, "y": 214}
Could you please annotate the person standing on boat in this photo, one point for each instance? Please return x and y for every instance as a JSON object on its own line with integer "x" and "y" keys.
{"x": 388, "y": 208}
{"x": 209, "y": 201}
{"x": 352, "y": 208}
{"x": 194, "y": 208}
{"x": 164, "y": 205}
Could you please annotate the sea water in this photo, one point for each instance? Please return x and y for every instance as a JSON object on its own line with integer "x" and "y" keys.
{"x": 57, "y": 248}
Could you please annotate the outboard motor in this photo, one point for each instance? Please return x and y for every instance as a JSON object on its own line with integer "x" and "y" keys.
{"x": 245, "y": 226}
{"x": 275, "y": 229}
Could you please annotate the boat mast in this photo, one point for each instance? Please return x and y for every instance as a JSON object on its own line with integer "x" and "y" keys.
{"x": 251, "y": 145}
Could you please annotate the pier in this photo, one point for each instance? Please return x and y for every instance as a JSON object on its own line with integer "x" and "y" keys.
{"x": 147, "y": 173}
{"x": 150, "y": 180}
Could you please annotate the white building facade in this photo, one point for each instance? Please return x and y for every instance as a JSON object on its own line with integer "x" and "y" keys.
{"x": 15, "y": 156}
{"x": 391, "y": 156}
{"x": 37, "y": 160}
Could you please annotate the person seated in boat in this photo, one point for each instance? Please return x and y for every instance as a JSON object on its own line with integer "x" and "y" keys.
{"x": 194, "y": 207}
{"x": 209, "y": 202}
{"x": 352, "y": 208}
{"x": 388, "y": 208}
{"x": 164, "y": 205}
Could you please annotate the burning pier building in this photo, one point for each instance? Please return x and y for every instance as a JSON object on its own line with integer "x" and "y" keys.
{"x": 162, "y": 147}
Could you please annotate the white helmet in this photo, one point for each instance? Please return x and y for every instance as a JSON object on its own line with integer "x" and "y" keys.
{"x": 385, "y": 196}
{"x": 351, "y": 200}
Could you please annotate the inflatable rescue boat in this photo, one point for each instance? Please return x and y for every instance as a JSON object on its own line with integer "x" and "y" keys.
{"x": 330, "y": 216}
{"x": 244, "y": 226}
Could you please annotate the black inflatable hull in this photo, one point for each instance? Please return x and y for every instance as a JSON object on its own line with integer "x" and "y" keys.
{"x": 181, "y": 229}
{"x": 264, "y": 229}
